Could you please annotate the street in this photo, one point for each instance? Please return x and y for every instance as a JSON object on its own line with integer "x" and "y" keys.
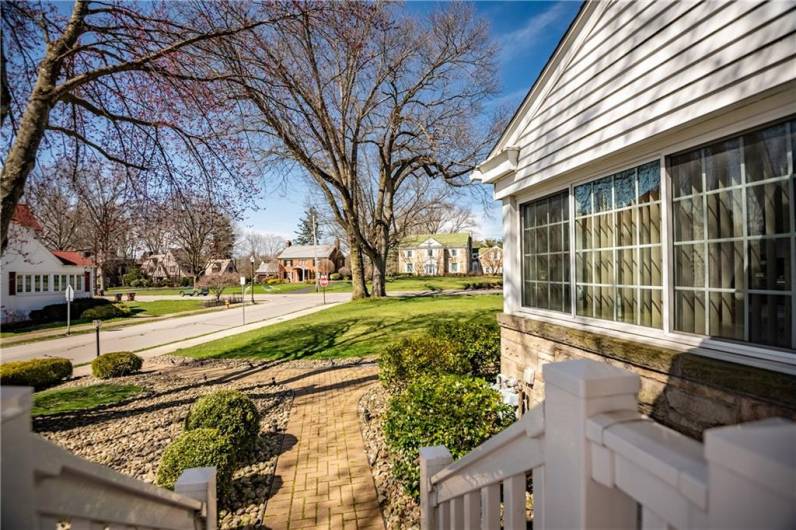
{"x": 82, "y": 348}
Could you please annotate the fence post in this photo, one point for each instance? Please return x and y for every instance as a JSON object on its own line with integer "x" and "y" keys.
{"x": 752, "y": 475}
{"x": 200, "y": 483}
{"x": 432, "y": 461}
{"x": 18, "y": 499}
{"x": 574, "y": 391}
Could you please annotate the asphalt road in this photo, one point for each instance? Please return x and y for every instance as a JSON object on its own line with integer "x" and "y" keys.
{"x": 82, "y": 348}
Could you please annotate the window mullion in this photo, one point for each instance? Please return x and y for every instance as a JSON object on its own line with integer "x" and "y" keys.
{"x": 745, "y": 244}
{"x": 705, "y": 246}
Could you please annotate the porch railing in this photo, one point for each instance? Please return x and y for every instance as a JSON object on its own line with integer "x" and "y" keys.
{"x": 595, "y": 462}
{"x": 44, "y": 486}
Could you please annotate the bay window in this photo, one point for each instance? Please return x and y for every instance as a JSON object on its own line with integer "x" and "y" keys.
{"x": 731, "y": 242}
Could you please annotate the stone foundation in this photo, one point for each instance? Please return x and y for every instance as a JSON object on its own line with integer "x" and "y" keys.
{"x": 686, "y": 391}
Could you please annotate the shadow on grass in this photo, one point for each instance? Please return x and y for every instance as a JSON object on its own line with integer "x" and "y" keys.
{"x": 345, "y": 337}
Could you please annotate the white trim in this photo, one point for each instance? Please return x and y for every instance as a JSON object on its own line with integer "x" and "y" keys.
{"x": 747, "y": 354}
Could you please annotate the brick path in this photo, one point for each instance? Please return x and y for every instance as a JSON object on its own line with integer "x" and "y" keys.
{"x": 322, "y": 478}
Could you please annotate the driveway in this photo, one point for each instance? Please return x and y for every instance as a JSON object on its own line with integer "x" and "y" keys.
{"x": 82, "y": 348}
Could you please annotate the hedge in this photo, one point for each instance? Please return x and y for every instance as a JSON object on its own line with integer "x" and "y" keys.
{"x": 477, "y": 344}
{"x": 116, "y": 364}
{"x": 103, "y": 312}
{"x": 198, "y": 448}
{"x": 57, "y": 312}
{"x": 38, "y": 373}
{"x": 229, "y": 411}
{"x": 458, "y": 412}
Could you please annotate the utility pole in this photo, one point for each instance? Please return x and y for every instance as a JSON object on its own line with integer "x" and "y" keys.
{"x": 315, "y": 247}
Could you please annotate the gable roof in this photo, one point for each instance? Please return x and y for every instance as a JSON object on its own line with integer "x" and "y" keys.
{"x": 23, "y": 216}
{"x": 267, "y": 267}
{"x": 456, "y": 239}
{"x": 306, "y": 251}
{"x": 70, "y": 257}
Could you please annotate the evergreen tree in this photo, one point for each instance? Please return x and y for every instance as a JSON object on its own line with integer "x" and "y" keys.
{"x": 304, "y": 235}
{"x": 222, "y": 238}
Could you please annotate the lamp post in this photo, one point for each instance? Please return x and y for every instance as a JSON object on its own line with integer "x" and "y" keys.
{"x": 251, "y": 260}
{"x": 243, "y": 297}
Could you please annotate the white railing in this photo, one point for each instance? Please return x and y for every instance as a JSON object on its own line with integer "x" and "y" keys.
{"x": 44, "y": 485}
{"x": 597, "y": 463}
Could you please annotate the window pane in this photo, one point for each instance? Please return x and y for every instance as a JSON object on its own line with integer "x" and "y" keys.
{"x": 688, "y": 222}
{"x": 769, "y": 264}
{"x": 20, "y": 280}
{"x": 583, "y": 233}
{"x": 625, "y": 188}
{"x": 556, "y": 263}
{"x": 686, "y": 172}
{"x": 603, "y": 230}
{"x": 57, "y": 282}
{"x": 45, "y": 282}
{"x": 626, "y": 221}
{"x": 583, "y": 200}
{"x": 689, "y": 265}
{"x": 726, "y": 315}
{"x": 585, "y": 304}
{"x": 689, "y": 310}
{"x": 604, "y": 267}
{"x": 768, "y": 207}
{"x": 541, "y": 239}
{"x": 651, "y": 272}
{"x": 28, "y": 283}
{"x": 556, "y": 206}
{"x": 766, "y": 153}
{"x": 770, "y": 320}
{"x": 604, "y": 303}
{"x": 651, "y": 301}
{"x": 541, "y": 268}
{"x": 37, "y": 283}
{"x": 541, "y": 213}
{"x": 649, "y": 182}
{"x": 725, "y": 215}
{"x": 557, "y": 297}
{"x": 626, "y": 263}
{"x": 726, "y": 265}
{"x": 626, "y": 306}
{"x": 602, "y": 195}
{"x": 723, "y": 164}
{"x": 555, "y": 239}
{"x": 650, "y": 224}
{"x": 583, "y": 265}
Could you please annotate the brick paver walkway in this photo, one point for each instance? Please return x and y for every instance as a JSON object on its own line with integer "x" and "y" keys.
{"x": 322, "y": 478}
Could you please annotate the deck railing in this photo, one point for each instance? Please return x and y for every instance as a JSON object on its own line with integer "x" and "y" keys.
{"x": 596, "y": 462}
{"x": 44, "y": 486}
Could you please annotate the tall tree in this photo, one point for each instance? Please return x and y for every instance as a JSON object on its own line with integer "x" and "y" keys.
{"x": 192, "y": 228}
{"x": 222, "y": 237}
{"x": 309, "y": 228}
{"x": 116, "y": 80}
{"x": 56, "y": 207}
{"x": 364, "y": 99}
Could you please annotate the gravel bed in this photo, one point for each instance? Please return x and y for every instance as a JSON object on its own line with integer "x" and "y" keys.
{"x": 400, "y": 511}
{"x": 131, "y": 436}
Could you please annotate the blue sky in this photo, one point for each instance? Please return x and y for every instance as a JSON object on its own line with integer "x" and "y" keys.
{"x": 527, "y": 33}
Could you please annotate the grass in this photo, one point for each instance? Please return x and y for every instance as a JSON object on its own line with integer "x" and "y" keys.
{"x": 353, "y": 329}
{"x": 58, "y": 401}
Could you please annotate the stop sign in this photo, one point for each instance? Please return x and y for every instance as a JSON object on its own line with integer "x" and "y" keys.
{"x": 324, "y": 280}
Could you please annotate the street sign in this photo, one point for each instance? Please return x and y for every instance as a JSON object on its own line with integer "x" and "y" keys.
{"x": 324, "y": 280}
{"x": 242, "y": 281}
{"x": 69, "y": 294}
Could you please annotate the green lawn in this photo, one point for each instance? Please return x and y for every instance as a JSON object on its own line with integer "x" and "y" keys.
{"x": 56, "y": 401}
{"x": 352, "y": 329}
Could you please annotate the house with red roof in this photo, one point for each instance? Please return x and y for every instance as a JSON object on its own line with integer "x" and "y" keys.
{"x": 34, "y": 276}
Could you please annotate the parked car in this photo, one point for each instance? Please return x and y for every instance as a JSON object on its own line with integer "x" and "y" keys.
{"x": 194, "y": 292}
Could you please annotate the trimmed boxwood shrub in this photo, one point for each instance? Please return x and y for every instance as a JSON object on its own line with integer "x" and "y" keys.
{"x": 38, "y": 373}
{"x": 229, "y": 411}
{"x": 116, "y": 364}
{"x": 57, "y": 312}
{"x": 458, "y": 412}
{"x": 103, "y": 312}
{"x": 198, "y": 448}
{"x": 477, "y": 345}
{"x": 404, "y": 361}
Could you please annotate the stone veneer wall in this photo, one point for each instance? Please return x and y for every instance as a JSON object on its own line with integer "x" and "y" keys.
{"x": 685, "y": 391}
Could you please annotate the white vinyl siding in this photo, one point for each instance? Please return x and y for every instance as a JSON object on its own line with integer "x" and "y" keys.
{"x": 643, "y": 67}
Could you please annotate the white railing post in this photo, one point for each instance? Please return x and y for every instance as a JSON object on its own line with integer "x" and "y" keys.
{"x": 200, "y": 483}
{"x": 574, "y": 391}
{"x": 432, "y": 460}
{"x": 17, "y": 464}
{"x": 752, "y": 475}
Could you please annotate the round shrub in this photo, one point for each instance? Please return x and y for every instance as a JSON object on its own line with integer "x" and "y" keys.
{"x": 404, "y": 361}
{"x": 57, "y": 312}
{"x": 198, "y": 448}
{"x": 116, "y": 364}
{"x": 477, "y": 345}
{"x": 229, "y": 411}
{"x": 103, "y": 312}
{"x": 455, "y": 411}
{"x": 38, "y": 373}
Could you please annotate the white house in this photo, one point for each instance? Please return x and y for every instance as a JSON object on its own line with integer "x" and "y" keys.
{"x": 647, "y": 187}
{"x": 34, "y": 276}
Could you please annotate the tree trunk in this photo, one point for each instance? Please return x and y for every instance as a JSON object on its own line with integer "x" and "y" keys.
{"x": 379, "y": 276}
{"x": 358, "y": 287}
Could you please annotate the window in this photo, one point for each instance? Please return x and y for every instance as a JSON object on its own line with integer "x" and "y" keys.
{"x": 20, "y": 283}
{"x": 545, "y": 253}
{"x": 78, "y": 282}
{"x": 64, "y": 282}
{"x": 409, "y": 267}
{"x": 56, "y": 282}
{"x": 45, "y": 283}
{"x": 618, "y": 269}
{"x": 37, "y": 283}
{"x": 454, "y": 267}
{"x": 408, "y": 253}
{"x": 430, "y": 252}
{"x": 734, "y": 237}
{"x": 454, "y": 252}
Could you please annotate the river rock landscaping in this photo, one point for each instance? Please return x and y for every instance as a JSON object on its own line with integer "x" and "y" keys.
{"x": 131, "y": 436}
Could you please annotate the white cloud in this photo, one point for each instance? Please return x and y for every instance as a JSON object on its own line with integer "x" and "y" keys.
{"x": 519, "y": 40}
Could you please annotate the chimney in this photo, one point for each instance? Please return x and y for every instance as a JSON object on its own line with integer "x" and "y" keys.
{"x": 289, "y": 242}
